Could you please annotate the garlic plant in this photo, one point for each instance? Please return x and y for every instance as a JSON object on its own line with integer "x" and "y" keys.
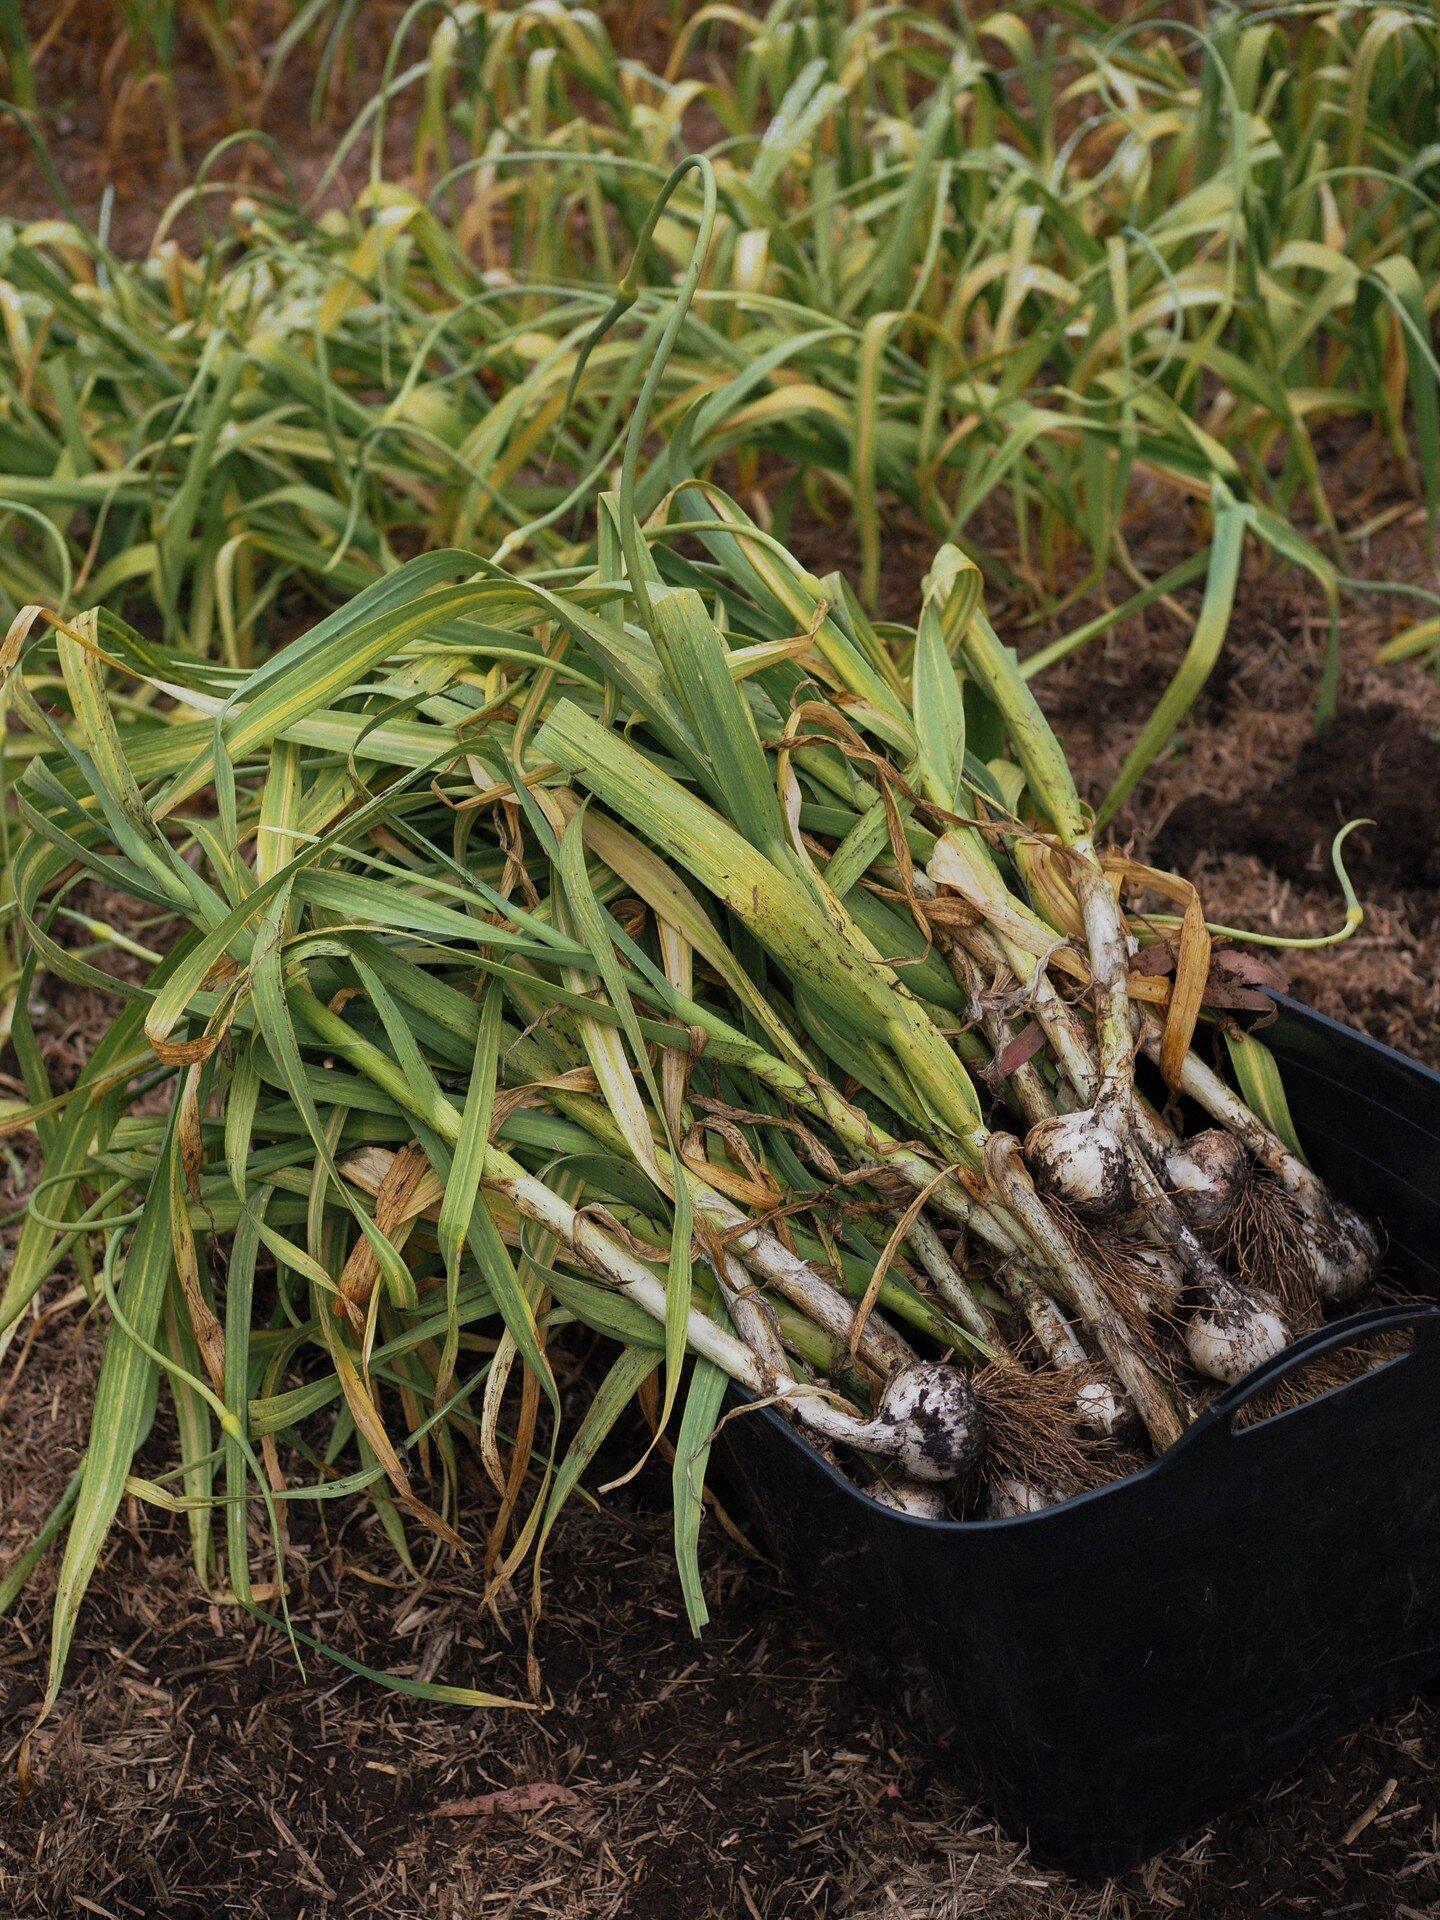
{"x": 618, "y": 955}
{"x": 617, "y": 947}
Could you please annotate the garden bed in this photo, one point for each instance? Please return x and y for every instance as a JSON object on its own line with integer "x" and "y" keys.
{"x": 746, "y": 1763}
{"x": 189, "y": 1771}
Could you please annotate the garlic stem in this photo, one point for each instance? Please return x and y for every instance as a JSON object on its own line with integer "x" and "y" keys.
{"x": 927, "y": 1418}
{"x": 1006, "y": 1171}
{"x": 954, "y": 1289}
{"x": 804, "y": 1286}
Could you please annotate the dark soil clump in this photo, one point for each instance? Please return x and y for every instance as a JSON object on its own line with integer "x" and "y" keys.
{"x": 1378, "y": 762}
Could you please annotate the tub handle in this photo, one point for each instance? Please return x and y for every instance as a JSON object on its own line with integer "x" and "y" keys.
{"x": 1421, "y": 1314}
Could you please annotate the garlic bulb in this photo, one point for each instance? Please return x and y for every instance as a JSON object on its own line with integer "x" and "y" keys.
{"x": 1234, "y": 1331}
{"x": 1079, "y": 1158}
{"x": 1345, "y": 1253}
{"x": 1206, "y": 1176}
{"x": 928, "y": 1421}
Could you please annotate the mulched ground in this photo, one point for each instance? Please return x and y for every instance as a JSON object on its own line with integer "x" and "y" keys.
{"x": 190, "y": 1771}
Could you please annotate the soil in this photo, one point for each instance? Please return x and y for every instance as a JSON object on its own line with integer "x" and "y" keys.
{"x": 1249, "y": 798}
{"x": 190, "y": 1771}
{"x": 1378, "y": 759}
{"x": 126, "y": 133}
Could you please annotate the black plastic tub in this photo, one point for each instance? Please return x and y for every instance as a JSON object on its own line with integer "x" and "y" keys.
{"x": 1115, "y": 1671}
